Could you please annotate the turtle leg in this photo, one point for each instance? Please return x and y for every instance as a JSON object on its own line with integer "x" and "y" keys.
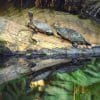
{"x": 74, "y": 44}
{"x": 36, "y": 30}
{"x": 28, "y": 24}
{"x": 75, "y": 61}
{"x": 88, "y": 45}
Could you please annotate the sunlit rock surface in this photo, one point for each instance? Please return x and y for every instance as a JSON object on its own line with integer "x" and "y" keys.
{"x": 20, "y": 38}
{"x": 16, "y": 36}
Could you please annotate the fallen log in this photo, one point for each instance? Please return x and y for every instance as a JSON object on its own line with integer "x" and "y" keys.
{"x": 17, "y": 67}
{"x": 57, "y": 53}
{"x": 35, "y": 62}
{"x": 66, "y": 67}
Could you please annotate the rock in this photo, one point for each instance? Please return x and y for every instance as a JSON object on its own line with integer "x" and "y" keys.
{"x": 50, "y": 42}
{"x": 16, "y": 36}
{"x": 19, "y": 38}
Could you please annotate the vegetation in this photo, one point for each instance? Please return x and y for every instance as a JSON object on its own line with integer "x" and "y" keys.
{"x": 82, "y": 84}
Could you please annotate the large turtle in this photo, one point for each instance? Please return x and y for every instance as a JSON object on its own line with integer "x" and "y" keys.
{"x": 71, "y": 35}
{"x": 39, "y": 26}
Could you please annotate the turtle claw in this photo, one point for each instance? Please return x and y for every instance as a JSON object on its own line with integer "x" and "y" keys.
{"x": 75, "y": 45}
{"x": 75, "y": 61}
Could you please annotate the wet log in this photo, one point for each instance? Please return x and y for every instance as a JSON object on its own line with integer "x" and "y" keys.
{"x": 18, "y": 68}
{"x": 20, "y": 65}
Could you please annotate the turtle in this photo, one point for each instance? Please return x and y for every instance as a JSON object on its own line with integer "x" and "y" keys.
{"x": 39, "y": 26}
{"x": 72, "y": 36}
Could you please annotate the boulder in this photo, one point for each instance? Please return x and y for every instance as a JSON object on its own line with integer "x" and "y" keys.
{"x": 16, "y": 36}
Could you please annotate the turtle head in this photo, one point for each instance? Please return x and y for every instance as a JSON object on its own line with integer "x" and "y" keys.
{"x": 30, "y": 14}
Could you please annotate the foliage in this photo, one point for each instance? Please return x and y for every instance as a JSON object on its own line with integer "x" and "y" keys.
{"x": 82, "y": 84}
{"x": 15, "y": 90}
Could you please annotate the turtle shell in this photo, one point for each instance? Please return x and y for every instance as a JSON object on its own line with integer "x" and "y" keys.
{"x": 71, "y": 35}
{"x": 42, "y": 27}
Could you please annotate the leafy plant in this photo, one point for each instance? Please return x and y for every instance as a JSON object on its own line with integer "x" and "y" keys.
{"x": 83, "y": 84}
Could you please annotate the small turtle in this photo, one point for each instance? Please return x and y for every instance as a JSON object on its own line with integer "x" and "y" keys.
{"x": 71, "y": 35}
{"x": 39, "y": 26}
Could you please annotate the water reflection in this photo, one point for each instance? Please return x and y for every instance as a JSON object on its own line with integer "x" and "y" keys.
{"x": 42, "y": 63}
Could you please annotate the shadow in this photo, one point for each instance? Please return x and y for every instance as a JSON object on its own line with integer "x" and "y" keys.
{"x": 3, "y": 58}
